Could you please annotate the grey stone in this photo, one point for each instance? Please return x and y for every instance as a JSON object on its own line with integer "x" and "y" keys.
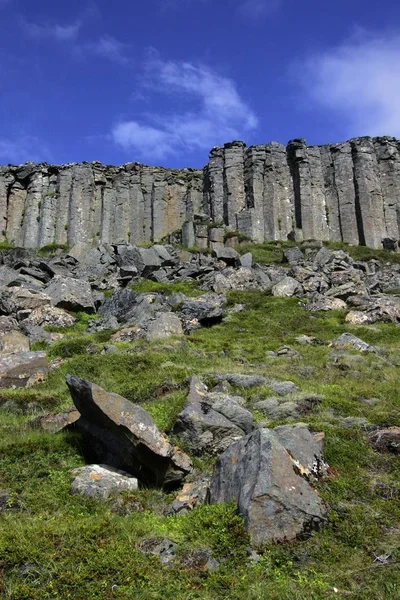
{"x": 294, "y": 256}
{"x": 165, "y": 325}
{"x": 201, "y": 427}
{"x": 100, "y": 481}
{"x": 286, "y": 288}
{"x": 246, "y": 260}
{"x": 191, "y": 495}
{"x": 23, "y": 369}
{"x": 348, "y": 340}
{"x": 259, "y": 475}
{"x": 283, "y": 388}
{"x": 71, "y": 294}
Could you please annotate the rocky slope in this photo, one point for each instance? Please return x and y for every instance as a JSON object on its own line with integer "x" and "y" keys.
{"x": 340, "y": 192}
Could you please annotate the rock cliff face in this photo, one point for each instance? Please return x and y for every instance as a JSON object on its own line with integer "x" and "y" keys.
{"x": 340, "y": 192}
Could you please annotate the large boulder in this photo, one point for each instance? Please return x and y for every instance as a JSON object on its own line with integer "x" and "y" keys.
{"x": 71, "y": 294}
{"x": 210, "y": 424}
{"x": 123, "y": 435}
{"x": 259, "y": 474}
{"x": 23, "y": 369}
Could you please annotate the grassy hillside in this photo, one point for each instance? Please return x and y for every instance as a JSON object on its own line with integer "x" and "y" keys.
{"x": 54, "y": 545}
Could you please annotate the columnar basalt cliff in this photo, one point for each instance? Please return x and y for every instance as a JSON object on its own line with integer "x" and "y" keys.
{"x": 340, "y": 192}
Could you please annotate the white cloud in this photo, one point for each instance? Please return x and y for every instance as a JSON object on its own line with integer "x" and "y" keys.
{"x": 360, "y": 80}
{"x": 255, "y": 9}
{"x": 61, "y": 33}
{"x": 217, "y": 114}
{"x": 107, "y": 47}
{"x": 20, "y": 149}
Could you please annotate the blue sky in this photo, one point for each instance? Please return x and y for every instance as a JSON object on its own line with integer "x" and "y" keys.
{"x": 163, "y": 81}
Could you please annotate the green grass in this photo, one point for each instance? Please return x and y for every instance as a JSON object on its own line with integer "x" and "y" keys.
{"x": 272, "y": 252}
{"x": 76, "y": 548}
{"x": 52, "y": 249}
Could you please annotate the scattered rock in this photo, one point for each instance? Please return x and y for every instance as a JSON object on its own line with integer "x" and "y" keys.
{"x": 50, "y": 316}
{"x": 51, "y": 423}
{"x": 348, "y": 340}
{"x": 165, "y": 325}
{"x": 164, "y": 549}
{"x": 99, "y": 481}
{"x": 13, "y": 341}
{"x": 23, "y": 369}
{"x": 386, "y": 439}
{"x": 204, "y": 429}
{"x": 191, "y": 495}
{"x": 286, "y": 288}
{"x": 71, "y": 294}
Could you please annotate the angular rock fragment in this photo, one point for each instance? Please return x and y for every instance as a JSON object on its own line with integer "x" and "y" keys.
{"x": 286, "y": 288}
{"x": 386, "y": 439}
{"x": 53, "y": 422}
{"x": 71, "y": 294}
{"x": 99, "y": 481}
{"x": 50, "y": 316}
{"x": 164, "y": 326}
{"x": 348, "y": 340}
{"x": 123, "y": 435}
{"x": 260, "y": 476}
{"x": 23, "y": 369}
{"x": 203, "y": 428}
{"x": 191, "y": 495}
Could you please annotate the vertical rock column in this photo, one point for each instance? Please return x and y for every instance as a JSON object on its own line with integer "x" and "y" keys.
{"x": 369, "y": 200}
{"x": 83, "y": 189}
{"x": 388, "y": 156}
{"x": 345, "y": 190}
{"x": 15, "y": 214}
{"x": 214, "y": 177}
{"x": 136, "y": 203}
{"x": 6, "y": 180}
{"x": 251, "y": 220}
{"x": 331, "y": 195}
{"x": 31, "y": 219}
{"x": 234, "y": 196}
{"x": 48, "y": 211}
{"x": 278, "y": 194}
{"x": 309, "y": 189}
{"x": 64, "y": 188}
{"x": 122, "y": 225}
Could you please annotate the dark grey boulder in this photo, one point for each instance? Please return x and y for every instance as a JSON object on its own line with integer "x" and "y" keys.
{"x": 275, "y": 502}
{"x": 205, "y": 310}
{"x": 71, "y": 294}
{"x": 242, "y": 380}
{"x": 123, "y": 435}
{"x": 35, "y": 333}
{"x": 293, "y": 256}
{"x": 204, "y": 429}
{"x": 119, "y": 305}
